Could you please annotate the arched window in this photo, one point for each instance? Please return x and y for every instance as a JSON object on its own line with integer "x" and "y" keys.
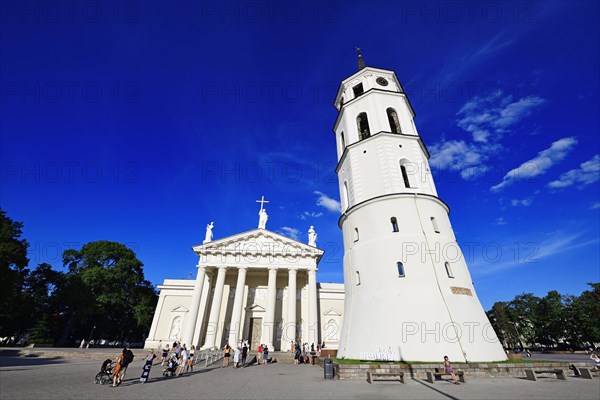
{"x": 357, "y": 278}
{"x": 362, "y": 124}
{"x": 343, "y": 141}
{"x": 448, "y": 270}
{"x": 435, "y": 225}
{"x": 393, "y": 120}
{"x": 346, "y": 197}
{"x": 400, "y": 269}
{"x": 394, "y": 224}
{"x": 356, "y": 234}
{"x": 405, "y": 176}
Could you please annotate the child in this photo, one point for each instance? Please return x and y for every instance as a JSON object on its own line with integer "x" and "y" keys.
{"x": 448, "y": 370}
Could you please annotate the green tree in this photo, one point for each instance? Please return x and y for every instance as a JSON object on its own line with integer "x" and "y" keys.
{"x": 550, "y": 321}
{"x": 503, "y": 323}
{"x": 583, "y": 316}
{"x": 105, "y": 288}
{"x": 13, "y": 272}
{"x": 41, "y": 289}
{"x": 525, "y": 313}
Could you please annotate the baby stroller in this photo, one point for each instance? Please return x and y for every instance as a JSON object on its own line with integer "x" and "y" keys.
{"x": 171, "y": 367}
{"x": 105, "y": 375}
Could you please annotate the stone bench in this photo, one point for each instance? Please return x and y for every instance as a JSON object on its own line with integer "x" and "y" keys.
{"x": 587, "y": 373}
{"x": 432, "y": 375}
{"x": 531, "y": 374}
{"x": 385, "y": 376}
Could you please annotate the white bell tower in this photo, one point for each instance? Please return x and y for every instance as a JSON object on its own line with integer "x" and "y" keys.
{"x": 409, "y": 294}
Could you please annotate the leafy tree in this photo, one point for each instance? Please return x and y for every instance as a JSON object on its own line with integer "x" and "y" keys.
{"x": 503, "y": 323}
{"x": 13, "y": 272}
{"x": 41, "y": 288}
{"x": 105, "y": 288}
{"x": 524, "y": 311}
{"x": 583, "y": 316}
{"x": 550, "y": 322}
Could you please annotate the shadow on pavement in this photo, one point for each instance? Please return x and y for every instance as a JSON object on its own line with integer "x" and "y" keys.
{"x": 15, "y": 361}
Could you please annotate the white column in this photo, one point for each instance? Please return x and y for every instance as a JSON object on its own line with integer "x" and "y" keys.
{"x": 313, "y": 334}
{"x": 190, "y": 322}
{"x": 157, "y": 315}
{"x": 215, "y": 309}
{"x": 290, "y": 327}
{"x": 236, "y": 315}
{"x": 268, "y": 328}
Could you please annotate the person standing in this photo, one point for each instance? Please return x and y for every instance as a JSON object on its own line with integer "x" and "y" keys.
{"x": 165, "y": 355}
{"x": 183, "y": 360}
{"x": 265, "y": 354}
{"x": 147, "y": 366}
{"x": 236, "y": 357}
{"x": 448, "y": 370}
{"x": 244, "y": 353}
{"x": 226, "y": 355}
{"x": 190, "y": 361}
{"x": 298, "y": 354}
{"x": 260, "y": 353}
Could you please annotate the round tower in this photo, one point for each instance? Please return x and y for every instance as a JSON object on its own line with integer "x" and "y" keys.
{"x": 409, "y": 294}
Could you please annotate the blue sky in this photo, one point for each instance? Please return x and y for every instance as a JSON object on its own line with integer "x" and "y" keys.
{"x": 141, "y": 122}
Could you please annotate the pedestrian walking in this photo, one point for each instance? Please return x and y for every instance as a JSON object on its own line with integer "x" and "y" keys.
{"x": 147, "y": 366}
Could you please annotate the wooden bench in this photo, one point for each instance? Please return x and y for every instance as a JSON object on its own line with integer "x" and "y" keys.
{"x": 531, "y": 373}
{"x": 385, "y": 376}
{"x": 432, "y": 375}
{"x": 587, "y": 373}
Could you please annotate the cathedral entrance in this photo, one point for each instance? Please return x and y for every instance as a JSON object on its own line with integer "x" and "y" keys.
{"x": 255, "y": 332}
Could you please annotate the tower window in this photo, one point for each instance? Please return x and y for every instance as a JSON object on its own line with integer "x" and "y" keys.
{"x": 393, "y": 120}
{"x": 343, "y": 141}
{"x": 346, "y": 198}
{"x": 362, "y": 123}
{"x": 356, "y": 234}
{"x": 400, "y": 269}
{"x": 448, "y": 270}
{"x": 357, "y": 278}
{"x": 358, "y": 90}
{"x": 405, "y": 176}
{"x": 436, "y": 229}
{"x": 394, "y": 224}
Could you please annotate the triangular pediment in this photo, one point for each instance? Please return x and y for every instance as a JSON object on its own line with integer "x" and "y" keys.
{"x": 332, "y": 313}
{"x": 257, "y": 241}
{"x": 256, "y": 308}
{"x": 179, "y": 308}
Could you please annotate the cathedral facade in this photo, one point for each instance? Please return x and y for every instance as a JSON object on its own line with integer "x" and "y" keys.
{"x": 258, "y": 286}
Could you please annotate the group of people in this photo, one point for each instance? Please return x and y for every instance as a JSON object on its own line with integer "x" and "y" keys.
{"x": 240, "y": 353}
{"x": 302, "y": 353}
{"x": 178, "y": 358}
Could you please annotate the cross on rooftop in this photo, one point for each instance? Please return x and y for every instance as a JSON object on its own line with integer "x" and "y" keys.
{"x": 262, "y": 201}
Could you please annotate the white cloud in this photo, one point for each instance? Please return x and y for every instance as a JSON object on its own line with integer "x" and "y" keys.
{"x": 524, "y": 202}
{"x": 458, "y": 155}
{"x": 500, "y": 221}
{"x": 310, "y": 214}
{"x": 538, "y": 165}
{"x": 327, "y": 202}
{"x": 595, "y": 205}
{"x": 291, "y": 232}
{"x": 587, "y": 173}
{"x": 490, "y": 117}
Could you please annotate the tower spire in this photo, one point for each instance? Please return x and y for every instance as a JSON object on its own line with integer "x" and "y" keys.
{"x": 361, "y": 62}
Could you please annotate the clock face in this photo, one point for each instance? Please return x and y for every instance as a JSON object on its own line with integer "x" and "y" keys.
{"x": 382, "y": 81}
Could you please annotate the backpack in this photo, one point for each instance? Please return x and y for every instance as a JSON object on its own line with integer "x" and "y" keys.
{"x": 128, "y": 356}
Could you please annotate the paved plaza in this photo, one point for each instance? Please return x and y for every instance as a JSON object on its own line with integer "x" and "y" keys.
{"x": 39, "y": 378}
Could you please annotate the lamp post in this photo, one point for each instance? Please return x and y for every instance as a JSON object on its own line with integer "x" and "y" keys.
{"x": 91, "y": 333}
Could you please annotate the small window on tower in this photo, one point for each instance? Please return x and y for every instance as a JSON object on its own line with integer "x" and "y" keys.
{"x": 346, "y": 197}
{"x": 449, "y": 270}
{"x": 393, "y": 120}
{"x": 343, "y": 141}
{"x": 394, "y": 224}
{"x": 362, "y": 124}
{"x": 356, "y": 234}
{"x": 358, "y": 90}
{"x": 405, "y": 176}
{"x": 436, "y": 229}
{"x": 357, "y": 278}
{"x": 400, "y": 269}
